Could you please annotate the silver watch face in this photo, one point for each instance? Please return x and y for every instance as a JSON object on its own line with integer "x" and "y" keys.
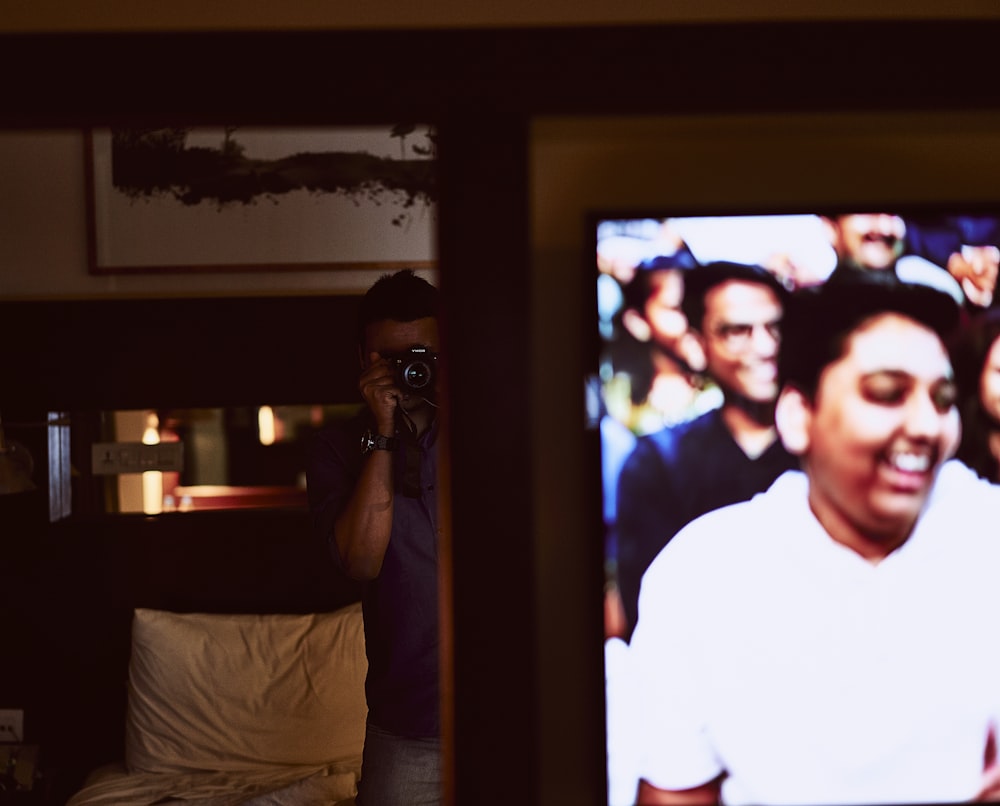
{"x": 371, "y": 442}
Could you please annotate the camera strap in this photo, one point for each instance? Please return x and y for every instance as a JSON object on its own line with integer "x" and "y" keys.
{"x": 408, "y": 460}
{"x": 410, "y": 477}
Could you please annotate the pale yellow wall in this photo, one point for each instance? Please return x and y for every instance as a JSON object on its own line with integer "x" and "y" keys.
{"x": 129, "y": 15}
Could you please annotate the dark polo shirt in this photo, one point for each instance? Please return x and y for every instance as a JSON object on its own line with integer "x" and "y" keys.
{"x": 672, "y": 477}
{"x": 401, "y": 605}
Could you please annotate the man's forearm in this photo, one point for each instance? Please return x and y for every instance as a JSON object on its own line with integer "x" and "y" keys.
{"x": 362, "y": 531}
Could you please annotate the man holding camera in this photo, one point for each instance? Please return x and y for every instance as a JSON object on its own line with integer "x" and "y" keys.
{"x": 373, "y": 497}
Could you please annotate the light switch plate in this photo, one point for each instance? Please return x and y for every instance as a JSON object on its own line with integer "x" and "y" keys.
{"x": 113, "y": 458}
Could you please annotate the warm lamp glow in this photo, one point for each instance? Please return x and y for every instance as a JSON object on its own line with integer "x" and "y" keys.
{"x": 151, "y": 436}
{"x": 152, "y": 480}
{"x": 266, "y": 425}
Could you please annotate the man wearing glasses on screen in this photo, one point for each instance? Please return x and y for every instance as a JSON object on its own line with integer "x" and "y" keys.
{"x": 726, "y": 455}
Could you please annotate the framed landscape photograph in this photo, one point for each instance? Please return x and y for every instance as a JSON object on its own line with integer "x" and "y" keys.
{"x": 238, "y": 198}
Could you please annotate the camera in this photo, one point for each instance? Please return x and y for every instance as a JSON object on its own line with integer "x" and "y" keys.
{"x": 415, "y": 370}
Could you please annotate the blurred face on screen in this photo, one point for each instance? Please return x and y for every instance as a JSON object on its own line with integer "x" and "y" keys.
{"x": 868, "y": 241}
{"x": 989, "y": 382}
{"x": 882, "y": 423}
{"x": 740, "y": 335}
{"x": 662, "y": 312}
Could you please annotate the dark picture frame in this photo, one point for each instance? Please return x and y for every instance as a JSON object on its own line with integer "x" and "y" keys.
{"x": 224, "y": 199}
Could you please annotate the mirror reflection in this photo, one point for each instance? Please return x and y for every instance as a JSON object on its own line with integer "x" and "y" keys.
{"x": 232, "y": 458}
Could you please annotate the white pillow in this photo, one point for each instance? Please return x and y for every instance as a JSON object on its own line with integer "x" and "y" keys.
{"x": 245, "y": 692}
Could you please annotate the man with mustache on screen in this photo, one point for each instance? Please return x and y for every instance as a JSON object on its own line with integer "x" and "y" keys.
{"x": 833, "y": 640}
{"x": 875, "y": 245}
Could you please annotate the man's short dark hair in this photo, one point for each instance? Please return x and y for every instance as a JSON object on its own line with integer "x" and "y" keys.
{"x": 400, "y": 297}
{"x": 702, "y": 279}
{"x": 818, "y": 321}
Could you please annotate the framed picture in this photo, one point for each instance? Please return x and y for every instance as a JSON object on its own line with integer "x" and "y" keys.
{"x": 260, "y": 199}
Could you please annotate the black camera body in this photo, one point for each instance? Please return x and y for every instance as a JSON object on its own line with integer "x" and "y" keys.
{"x": 415, "y": 370}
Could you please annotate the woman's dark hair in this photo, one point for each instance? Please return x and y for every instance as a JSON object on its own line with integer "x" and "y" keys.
{"x": 818, "y": 321}
{"x": 970, "y": 352}
{"x": 400, "y": 297}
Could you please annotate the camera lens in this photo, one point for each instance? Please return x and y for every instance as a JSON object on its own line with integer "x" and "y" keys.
{"x": 416, "y": 375}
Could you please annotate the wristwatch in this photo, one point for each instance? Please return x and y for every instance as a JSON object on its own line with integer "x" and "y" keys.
{"x": 376, "y": 442}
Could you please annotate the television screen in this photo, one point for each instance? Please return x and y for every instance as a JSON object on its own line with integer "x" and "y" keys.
{"x": 799, "y": 420}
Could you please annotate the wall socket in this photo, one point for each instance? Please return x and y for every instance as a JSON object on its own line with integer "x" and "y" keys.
{"x": 11, "y": 725}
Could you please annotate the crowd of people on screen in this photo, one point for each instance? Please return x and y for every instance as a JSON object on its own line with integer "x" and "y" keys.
{"x": 706, "y": 324}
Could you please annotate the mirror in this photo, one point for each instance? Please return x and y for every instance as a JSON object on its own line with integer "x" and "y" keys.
{"x": 239, "y": 457}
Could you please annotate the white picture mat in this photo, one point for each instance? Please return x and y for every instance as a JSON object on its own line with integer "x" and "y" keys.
{"x": 299, "y": 229}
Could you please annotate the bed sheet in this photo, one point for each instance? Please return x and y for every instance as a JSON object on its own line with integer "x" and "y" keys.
{"x": 113, "y": 785}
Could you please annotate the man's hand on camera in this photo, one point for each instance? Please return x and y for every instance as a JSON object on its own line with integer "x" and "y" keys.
{"x": 378, "y": 387}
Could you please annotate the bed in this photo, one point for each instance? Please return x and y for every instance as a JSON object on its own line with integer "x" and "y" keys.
{"x": 227, "y": 709}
